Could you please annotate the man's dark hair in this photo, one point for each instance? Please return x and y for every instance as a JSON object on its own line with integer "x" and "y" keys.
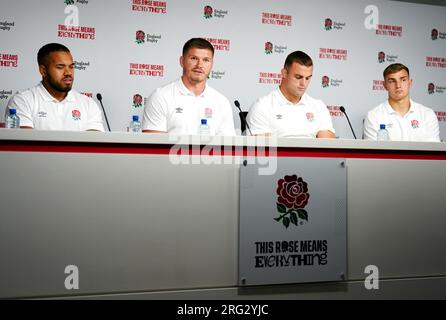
{"x": 394, "y": 68}
{"x": 198, "y": 43}
{"x": 42, "y": 55}
{"x": 299, "y": 57}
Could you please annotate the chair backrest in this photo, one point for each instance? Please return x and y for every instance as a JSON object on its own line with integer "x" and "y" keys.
{"x": 363, "y": 120}
{"x": 243, "y": 116}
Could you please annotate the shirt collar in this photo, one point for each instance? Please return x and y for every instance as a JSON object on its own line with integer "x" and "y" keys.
{"x": 412, "y": 108}
{"x": 49, "y": 98}
{"x": 185, "y": 91}
{"x": 284, "y": 101}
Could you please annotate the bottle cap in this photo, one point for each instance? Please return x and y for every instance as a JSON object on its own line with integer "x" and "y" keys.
{"x": 204, "y": 121}
{"x": 135, "y": 118}
{"x": 12, "y": 111}
{"x": 382, "y": 126}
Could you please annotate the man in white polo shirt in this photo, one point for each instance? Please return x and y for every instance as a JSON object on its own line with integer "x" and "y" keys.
{"x": 288, "y": 111}
{"x": 179, "y": 107}
{"x": 405, "y": 119}
{"x": 52, "y": 104}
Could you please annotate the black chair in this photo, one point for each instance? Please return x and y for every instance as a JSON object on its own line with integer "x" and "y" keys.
{"x": 243, "y": 116}
{"x": 363, "y": 120}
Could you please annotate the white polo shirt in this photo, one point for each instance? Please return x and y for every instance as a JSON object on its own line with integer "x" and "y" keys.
{"x": 174, "y": 109}
{"x": 275, "y": 114}
{"x": 39, "y": 110}
{"x": 419, "y": 124}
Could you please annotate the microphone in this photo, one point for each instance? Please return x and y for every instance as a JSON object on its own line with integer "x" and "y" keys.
{"x": 99, "y": 96}
{"x": 343, "y": 111}
{"x": 237, "y": 104}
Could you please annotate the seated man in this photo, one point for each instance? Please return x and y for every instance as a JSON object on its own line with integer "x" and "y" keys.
{"x": 52, "y": 104}
{"x": 288, "y": 111}
{"x": 180, "y": 106}
{"x": 405, "y": 119}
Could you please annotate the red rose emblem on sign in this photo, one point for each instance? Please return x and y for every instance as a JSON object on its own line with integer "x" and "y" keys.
{"x": 208, "y": 11}
{"x": 268, "y": 47}
{"x": 325, "y": 81}
{"x": 328, "y": 24}
{"x": 292, "y": 198}
{"x": 140, "y": 36}
{"x": 381, "y": 57}
{"x": 434, "y": 34}
{"x": 431, "y": 88}
{"x": 137, "y": 101}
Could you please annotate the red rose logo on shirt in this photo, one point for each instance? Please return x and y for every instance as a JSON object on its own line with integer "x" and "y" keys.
{"x": 292, "y": 198}
{"x": 76, "y": 115}
{"x": 310, "y": 117}
{"x": 415, "y": 124}
{"x": 208, "y": 113}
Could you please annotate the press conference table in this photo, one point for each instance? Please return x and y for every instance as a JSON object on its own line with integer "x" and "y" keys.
{"x": 139, "y": 222}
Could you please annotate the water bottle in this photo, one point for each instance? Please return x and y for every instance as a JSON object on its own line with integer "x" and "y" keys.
{"x": 135, "y": 125}
{"x": 383, "y": 134}
{"x": 205, "y": 130}
{"x": 12, "y": 120}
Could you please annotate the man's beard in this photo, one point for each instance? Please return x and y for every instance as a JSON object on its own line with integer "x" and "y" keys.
{"x": 59, "y": 87}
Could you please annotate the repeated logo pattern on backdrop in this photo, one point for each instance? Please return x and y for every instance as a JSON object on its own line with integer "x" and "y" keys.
{"x": 126, "y": 49}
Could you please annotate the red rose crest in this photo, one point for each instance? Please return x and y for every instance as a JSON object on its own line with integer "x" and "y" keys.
{"x": 415, "y": 124}
{"x": 268, "y": 47}
{"x": 328, "y": 24}
{"x": 140, "y": 37}
{"x": 310, "y": 117}
{"x": 325, "y": 82}
{"x": 381, "y": 57}
{"x": 137, "y": 101}
{"x": 292, "y": 198}
{"x": 208, "y": 113}
{"x": 208, "y": 11}
{"x": 434, "y": 34}
{"x": 76, "y": 114}
{"x": 431, "y": 88}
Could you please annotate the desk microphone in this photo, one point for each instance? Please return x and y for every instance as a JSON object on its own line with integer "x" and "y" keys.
{"x": 99, "y": 96}
{"x": 343, "y": 111}
{"x": 237, "y": 104}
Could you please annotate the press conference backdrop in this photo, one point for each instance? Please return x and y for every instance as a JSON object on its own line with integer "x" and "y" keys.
{"x": 126, "y": 49}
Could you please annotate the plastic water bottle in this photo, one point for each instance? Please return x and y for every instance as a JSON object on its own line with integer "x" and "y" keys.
{"x": 383, "y": 134}
{"x": 12, "y": 121}
{"x": 135, "y": 124}
{"x": 205, "y": 130}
